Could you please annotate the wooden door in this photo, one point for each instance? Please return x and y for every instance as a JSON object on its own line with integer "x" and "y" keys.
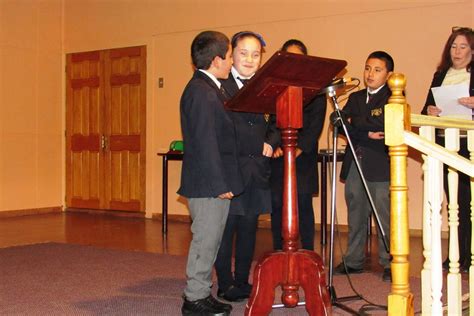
{"x": 105, "y": 129}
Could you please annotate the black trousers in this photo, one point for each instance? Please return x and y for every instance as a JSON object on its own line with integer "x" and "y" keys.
{"x": 244, "y": 227}
{"x": 305, "y": 216}
{"x": 464, "y": 201}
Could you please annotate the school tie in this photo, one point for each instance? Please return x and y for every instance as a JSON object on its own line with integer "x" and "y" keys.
{"x": 224, "y": 92}
{"x": 370, "y": 96}
{"x": 244, "y": 81}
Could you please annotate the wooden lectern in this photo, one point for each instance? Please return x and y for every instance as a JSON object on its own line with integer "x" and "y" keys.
{"x": 284, "y": 83}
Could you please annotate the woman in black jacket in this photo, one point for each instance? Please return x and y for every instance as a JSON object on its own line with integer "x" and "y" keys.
{"x": 456, "y": 67}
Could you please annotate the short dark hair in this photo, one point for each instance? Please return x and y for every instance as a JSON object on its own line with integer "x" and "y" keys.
{"x": 446, "y": 61}
{"x": 297, "y": 43}
{"x": 206, "y": 46}
{"x": 385, "y": 57}
{"x": 241, "y": 35}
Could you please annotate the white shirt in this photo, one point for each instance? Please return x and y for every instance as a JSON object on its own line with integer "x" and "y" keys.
{"x": 236, "y": 75}
{"x": 373, "y": 92}
{"x": 213, "y": 78}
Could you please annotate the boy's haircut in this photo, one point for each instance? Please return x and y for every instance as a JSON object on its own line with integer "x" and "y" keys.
{"x": 297, "y": 43}
{"x": 240, "y": 35}
{"x": 385, "y": 57}
{"x": 206, "y": 46}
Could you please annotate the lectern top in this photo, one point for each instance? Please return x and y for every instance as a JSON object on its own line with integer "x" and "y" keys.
{"x": 282, "y": 70}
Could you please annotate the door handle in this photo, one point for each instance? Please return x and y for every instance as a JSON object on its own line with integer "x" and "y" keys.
{"x": 103, "y": 142}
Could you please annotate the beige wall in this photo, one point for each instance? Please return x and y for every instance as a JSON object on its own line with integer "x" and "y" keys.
{"x": 412, "y": 31}
{"x": 31, "y": 108}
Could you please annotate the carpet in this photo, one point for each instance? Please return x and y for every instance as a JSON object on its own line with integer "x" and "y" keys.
{"x": 66, "y": 279}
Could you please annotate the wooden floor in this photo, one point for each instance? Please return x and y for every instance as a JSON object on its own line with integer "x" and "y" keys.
{"x": 140, "y": 234}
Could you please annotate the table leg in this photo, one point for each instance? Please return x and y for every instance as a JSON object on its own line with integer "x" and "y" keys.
{"x": 324, "y": 188}
{"x": 164, "y": 211}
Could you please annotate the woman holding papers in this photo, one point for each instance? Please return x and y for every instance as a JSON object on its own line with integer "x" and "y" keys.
{"x": 456, "y": 68}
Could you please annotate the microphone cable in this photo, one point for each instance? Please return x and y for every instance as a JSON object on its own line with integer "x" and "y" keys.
{"x": 370, "y": 306}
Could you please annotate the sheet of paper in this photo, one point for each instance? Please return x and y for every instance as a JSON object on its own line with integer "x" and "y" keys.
{"x": 446, "y": 98}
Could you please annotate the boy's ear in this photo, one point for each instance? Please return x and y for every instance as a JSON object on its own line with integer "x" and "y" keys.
{"x": 215, "y": 62}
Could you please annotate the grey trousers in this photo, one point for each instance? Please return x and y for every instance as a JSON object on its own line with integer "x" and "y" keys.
{"x": 358, "y": 212}
{"x": 209, "y": 217}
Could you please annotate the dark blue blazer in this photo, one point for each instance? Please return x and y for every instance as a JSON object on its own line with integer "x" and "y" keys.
{"x": 210, "y": 165}
{"x": 367, "y": 117}
{"x": 252, "y": 130}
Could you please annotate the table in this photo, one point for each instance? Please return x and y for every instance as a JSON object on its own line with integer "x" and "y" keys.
{"x": 170, "y": 155}
{"x": 324, "y": 157}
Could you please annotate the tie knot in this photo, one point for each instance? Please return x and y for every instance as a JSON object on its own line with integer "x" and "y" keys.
{"x": 370, "y": 96}
{"x": 244, "y": 81}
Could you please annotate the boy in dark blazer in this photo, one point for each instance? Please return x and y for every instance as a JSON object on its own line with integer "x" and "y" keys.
{"x": 365, "y": 110}
{"x": 256, "y": 137}
{"x": 210, "y": 174}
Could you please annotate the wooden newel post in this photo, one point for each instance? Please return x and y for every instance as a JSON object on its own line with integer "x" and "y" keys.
{"x": 397, "y": 120}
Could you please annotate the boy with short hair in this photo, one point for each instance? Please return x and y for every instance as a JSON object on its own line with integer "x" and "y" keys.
{"x": 365, "y": 110}
{"x": 210, "y": 174}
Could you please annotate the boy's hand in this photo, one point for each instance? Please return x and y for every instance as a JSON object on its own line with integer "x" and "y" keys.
{"x": 278, "y": 152}
{"x": 267, "y": 150}
{"x": 228, "y": 196}
{"x": 376, "y": 135}
{"x": 298, "y": 152}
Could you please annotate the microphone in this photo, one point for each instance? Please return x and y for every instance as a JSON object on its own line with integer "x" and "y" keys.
{"x": 342, "y": 80}
{"x": 337, "y": 83}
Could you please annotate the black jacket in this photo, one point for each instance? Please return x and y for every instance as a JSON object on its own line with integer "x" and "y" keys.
{"x": 367, "y": 117}
{"x": 252, "y": 131}
{"x": 438, "y": 78}
{"x": 210, "y": 164}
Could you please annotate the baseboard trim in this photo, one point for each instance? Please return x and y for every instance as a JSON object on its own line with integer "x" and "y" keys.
{"x": 106, "y": 212}
{"x": 173, "y": 217}
{"x": 265, "y": 222}
{"x": 31, "y": 211}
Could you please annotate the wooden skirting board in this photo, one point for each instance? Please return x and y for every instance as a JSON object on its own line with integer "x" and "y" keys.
{"x": 31, "y": 211}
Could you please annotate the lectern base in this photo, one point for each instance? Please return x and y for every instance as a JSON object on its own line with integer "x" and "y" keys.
{"x": 289, "y": 270}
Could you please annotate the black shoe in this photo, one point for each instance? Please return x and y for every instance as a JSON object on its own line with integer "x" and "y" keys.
{"x": 202, "y": 307}
{"x": 246, "y": 288}
{"x": 387, "y": 275}
{"x": 219, "y": 304}
{"x": 232, "y": 294}
{"x": 341, "y": 269}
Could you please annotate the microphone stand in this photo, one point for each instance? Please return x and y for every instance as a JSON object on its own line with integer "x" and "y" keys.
{"x": 331, "y": 92}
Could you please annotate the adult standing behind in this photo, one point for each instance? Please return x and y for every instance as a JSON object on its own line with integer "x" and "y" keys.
{"x": 306, "y": 166}
{"x": 456, "y": 67}
{"x": 255, "y": 141}
{"x": 210, "y": 176}
{"x": 365, "y": 109}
